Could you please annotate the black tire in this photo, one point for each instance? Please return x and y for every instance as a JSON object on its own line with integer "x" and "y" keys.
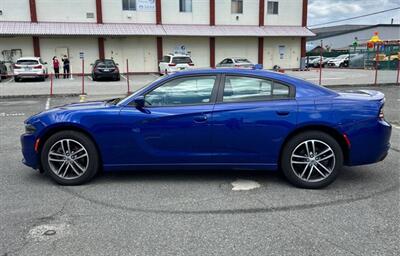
{"x": 94, "y": 78}
{"x": 88, "y": 144}
{"x": 294, "y": 142}
{"x": 17, "y": 79}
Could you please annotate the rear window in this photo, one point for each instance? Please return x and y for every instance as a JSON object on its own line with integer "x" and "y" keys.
{"x": 106, "y": 63}
{"x": 242, "y": 61}
{"x": 27, "y": 62}
{"x": 181, "y": 60}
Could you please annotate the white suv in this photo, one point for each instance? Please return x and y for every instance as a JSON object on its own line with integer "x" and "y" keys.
{"x": 29, "y": 67}
{"x": 173, "y": 62}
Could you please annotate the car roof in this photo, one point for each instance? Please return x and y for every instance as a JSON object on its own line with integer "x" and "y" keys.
{"x": 28, "y": 58}
{"x": 177, "y": 55}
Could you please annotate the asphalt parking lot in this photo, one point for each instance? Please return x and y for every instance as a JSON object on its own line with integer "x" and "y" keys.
{"x": 194, "y": 212}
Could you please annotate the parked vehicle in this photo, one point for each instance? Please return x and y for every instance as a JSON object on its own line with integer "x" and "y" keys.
{"x": 224, "y": 118}
{"x": 3, "y": 70}
{"x": 316, "y": 62}
{"x": 30, "y": 67}
{"x": 235, "y": 63}
{"x": 342, "y": 61}
{"x": 309, "y": 60}
{"x": 172, "y": 63}
{"x": 105, "y": 69}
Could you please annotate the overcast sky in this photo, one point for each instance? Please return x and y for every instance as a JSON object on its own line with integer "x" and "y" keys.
{"x": 320, "y": 11}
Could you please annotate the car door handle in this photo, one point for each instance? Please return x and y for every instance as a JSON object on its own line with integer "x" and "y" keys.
{"x": 200, "y": 119}
{"x": 282, "y": 113}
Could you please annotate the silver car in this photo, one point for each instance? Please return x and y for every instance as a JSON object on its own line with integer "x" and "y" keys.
{"x": 235, "y": 63}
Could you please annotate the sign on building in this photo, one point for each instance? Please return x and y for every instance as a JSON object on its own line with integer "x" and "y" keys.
{"x": 145, "y": 5}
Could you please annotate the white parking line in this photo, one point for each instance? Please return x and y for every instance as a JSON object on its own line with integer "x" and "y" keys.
{"x": 10, "y": 80}
{"x": 90, "y": 78}
{"x": 47, "y": 104}
{"x": 124, "y": 77}
{"x": 396, "y": 126}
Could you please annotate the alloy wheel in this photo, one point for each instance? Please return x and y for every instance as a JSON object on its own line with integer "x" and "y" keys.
{"x": 312, "y": 160}
{"x": 68, "y": 159}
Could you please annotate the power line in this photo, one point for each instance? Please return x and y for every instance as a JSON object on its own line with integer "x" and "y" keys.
{"x": 355, "y": 17}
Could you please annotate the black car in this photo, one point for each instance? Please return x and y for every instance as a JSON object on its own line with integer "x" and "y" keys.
{"x": 3, "y": 70}
{"x": 105, "y": 69}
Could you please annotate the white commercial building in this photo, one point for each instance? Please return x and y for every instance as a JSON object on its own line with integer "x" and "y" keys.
{"x": 141, "y": 31}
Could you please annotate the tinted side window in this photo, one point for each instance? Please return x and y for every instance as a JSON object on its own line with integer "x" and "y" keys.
{"x": 252, "y": 89}
{"x": 182, "y": 91}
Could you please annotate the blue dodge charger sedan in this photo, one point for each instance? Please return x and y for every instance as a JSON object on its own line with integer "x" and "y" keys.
{"x": 219, "y": 118}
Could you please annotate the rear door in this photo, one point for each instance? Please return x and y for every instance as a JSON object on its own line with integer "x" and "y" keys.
{"x": 251, "y": 119}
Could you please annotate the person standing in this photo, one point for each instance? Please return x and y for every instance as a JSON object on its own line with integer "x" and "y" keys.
{"x": 66, "y": 68}
{"x": 56, "y": 67}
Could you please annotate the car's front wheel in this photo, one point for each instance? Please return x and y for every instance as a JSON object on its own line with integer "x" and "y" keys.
{"x": 70, "y": 158}
{"x": 311, "y": 160}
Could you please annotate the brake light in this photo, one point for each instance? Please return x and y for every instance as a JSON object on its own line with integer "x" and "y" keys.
{"x": 37, "y": 66}
{"x": 381, "y": 114}
{"x": 16, "y": 67}
{"x": 191, "y": 64}
{"x": 172, "y": 64}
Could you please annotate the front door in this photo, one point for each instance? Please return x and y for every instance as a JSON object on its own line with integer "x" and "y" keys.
{"x": 174, "y": 125}
{"x": 251, "y": 119}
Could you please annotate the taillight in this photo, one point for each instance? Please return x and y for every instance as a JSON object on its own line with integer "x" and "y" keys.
{"x": 191, "y": 64}
{"x": 381, "y": 114}
{"x": 172, "y": 64}
{"x": 16, "y": 67}
{"x": 37, "y": 66}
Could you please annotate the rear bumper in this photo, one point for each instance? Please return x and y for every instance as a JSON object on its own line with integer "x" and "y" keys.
{"x": 106, "y": 75}
{"x": 370, "y": 142}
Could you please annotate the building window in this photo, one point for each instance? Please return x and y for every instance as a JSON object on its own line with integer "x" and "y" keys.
{"x": 129, "y": 5}
{"x": 185, "y": 5}
{"x": 272, "y": 7}
{"x": 237, "y": 6}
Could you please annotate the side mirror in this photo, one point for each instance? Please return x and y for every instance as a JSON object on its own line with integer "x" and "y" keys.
{"x": 116, "y": 64}
{"x": 139, "y": 101}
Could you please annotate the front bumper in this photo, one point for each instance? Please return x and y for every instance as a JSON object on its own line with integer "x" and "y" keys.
{"x": 30, "y": 157}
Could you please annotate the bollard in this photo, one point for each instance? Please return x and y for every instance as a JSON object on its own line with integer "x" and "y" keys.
{"x": 127, "y": 76}
{"x": 51, "y": 84}
{"x": 320, "y": 64}
{"x": 398, "y": 69}
{"x": 83, "y": 77}
{"x": 376, "y": 63}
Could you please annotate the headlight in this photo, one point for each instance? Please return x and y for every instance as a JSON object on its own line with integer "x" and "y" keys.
{"x": 29, "y": 129}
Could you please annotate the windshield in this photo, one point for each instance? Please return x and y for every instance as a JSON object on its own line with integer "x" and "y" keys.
{"x": 106, "y": 63}
{"x": 342, "y": 56}
{"x": 128, "y": 98}
{"x": 27, "y": 62}
{"x": 242, "y": 61}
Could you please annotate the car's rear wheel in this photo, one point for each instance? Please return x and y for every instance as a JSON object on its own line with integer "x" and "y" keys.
{"x": 70, "y": 158}
{"x": 17, "y": 79}
{"x": 311, "y": 160}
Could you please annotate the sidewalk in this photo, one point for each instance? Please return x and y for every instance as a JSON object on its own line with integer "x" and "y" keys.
{"x": 63, "y": 87}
